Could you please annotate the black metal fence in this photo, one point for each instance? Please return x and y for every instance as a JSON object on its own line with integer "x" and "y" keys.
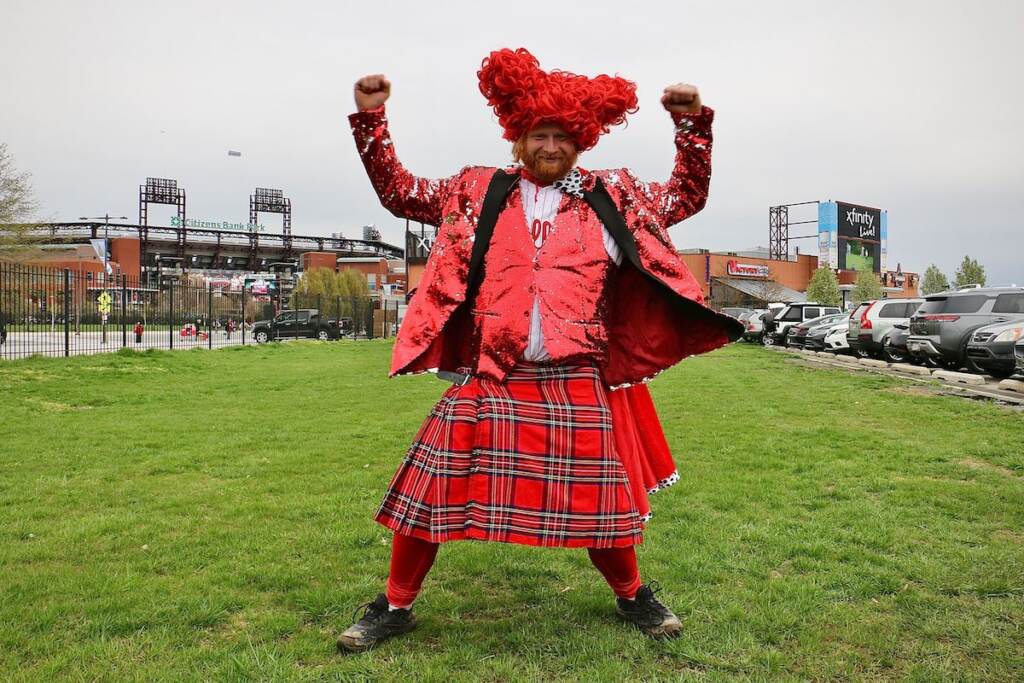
{"x": 61, "y": 312}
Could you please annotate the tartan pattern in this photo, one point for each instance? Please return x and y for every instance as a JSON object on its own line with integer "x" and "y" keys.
{"x": 530, "y": 460}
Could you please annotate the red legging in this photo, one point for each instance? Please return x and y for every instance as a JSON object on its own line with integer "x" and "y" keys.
{"x": 411, "y": 559}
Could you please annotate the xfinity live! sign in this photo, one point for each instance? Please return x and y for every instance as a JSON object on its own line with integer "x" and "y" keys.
{"x": 213, "y": 225}
{"x": 852, "y": 237}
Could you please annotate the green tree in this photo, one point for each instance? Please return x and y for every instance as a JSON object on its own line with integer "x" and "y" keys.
{"x": 934, "y": 281}
{"x": 867, "y": 287}
{"x": 824, "y": 287}
{"x": 17, "y": 207}
{"x": 320, "y": 286}
{"x": 970, "y": 272}
{"x": 359, "y": 295}
{"x": 356, "y": 282}
{"x": 342, "y": 294}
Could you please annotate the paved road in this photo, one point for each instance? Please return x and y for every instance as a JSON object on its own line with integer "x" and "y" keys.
{"x": 24, "y": 344}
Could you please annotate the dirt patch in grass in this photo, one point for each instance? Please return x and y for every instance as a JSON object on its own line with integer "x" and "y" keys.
{"x": 1009, "y": 535}
{"x": 988, "y": 467}
{"x": 913, "y": 391}
{"x": 54, "y": 406}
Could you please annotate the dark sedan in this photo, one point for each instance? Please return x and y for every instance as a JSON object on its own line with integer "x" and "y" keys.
{"x": 811, "y": 334}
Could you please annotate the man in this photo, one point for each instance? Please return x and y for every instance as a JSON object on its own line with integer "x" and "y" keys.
{"x": 548, "y": 287}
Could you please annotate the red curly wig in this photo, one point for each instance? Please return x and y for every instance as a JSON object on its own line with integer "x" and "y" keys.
{"x": 524, "y": 96}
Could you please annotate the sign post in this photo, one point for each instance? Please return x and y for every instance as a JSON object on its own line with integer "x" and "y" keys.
{"x": 103, "y": 302}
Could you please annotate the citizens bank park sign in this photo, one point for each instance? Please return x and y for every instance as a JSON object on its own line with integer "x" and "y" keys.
{"x": 217, "y": 225}
{"x": 734, "y": 267}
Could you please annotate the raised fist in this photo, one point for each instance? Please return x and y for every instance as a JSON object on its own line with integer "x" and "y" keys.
{"x": 681, "y": 98}
{"x": 372, "y": 91}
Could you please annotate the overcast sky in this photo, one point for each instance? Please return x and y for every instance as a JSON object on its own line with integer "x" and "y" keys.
{"x": 913, "y": 107}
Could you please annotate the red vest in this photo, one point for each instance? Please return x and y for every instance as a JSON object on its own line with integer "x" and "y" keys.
{"x": 567, "y": 274}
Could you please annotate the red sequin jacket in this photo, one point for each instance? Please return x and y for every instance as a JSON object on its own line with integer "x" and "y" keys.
{"x": 634, "y": 320}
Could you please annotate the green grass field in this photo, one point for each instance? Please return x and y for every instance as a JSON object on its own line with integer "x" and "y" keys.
{"x": 207, "y": 515}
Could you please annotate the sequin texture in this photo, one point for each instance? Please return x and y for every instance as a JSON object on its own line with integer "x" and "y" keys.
{"x": 635, "y": 320}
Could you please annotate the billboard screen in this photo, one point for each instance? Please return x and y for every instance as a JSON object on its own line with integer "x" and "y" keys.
{"x": 858, "y": 255}
{"x": 852, "y": 237}
{"x": 859, "y": 222}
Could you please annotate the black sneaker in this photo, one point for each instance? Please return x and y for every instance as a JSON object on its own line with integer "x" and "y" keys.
{"x": 377, "y": 623}
{"x": 650, "y": 616}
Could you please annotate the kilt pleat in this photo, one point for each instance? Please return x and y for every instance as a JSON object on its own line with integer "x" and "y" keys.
{"x": 530, "y": 460}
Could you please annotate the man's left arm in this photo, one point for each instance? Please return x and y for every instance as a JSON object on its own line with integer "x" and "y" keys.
{"x": 686, "y": 190}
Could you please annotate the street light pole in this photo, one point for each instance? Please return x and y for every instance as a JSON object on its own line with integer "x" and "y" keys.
{"x": 106, "y": 245}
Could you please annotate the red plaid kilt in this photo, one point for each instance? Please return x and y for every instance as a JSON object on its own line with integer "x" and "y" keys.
{"x": 530, "y": 460}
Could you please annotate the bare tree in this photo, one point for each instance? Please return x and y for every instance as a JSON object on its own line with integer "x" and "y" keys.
{"x": 17, "y": 207}
{"x": 768, "y": 290}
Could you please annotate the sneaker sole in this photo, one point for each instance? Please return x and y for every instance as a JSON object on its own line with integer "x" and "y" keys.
{"x": 357, "y": 645}
{"x": 667, "y": 630}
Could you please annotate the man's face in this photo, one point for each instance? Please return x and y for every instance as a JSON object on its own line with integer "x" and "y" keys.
{"x": 548, "y": 152}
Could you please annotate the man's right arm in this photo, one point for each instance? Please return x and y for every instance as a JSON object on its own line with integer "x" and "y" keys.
{"x": 401, "y": 193}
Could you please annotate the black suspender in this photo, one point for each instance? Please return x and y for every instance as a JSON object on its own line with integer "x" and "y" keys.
{"x": 497, "y": 191}
{"x": 601, "y": 202}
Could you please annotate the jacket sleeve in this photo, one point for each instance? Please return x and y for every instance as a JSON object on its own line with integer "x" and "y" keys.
{"x": 400, "y": 192}
{"x": 686, "y": 191}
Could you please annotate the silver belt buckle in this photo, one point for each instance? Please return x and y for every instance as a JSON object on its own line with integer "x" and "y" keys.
{"x": 457, "y": 378}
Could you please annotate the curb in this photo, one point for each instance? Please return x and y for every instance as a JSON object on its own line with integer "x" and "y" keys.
{"x": 1014, "y": 385}
{"x": 959, "y": 377}
{"x": 908, "y": 369}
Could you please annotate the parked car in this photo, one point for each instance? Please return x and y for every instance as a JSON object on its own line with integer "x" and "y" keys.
{"x": 894, "y": 346}
{"x": 1018, "y": 354}
{"x": 990, "y": 348}
{"x": 871, "y": 321}
{"x": 797, "y": 334}
{"x": 814, "y": 331}
{"x": 835, "y": 338}
{"x": 941, "y": 328}
{"x": 305, "y": 322}
{"x": 776, "y": 328}
{"x": 753, "y": 325}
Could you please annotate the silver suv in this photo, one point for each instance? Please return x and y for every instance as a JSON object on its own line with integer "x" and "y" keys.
{"x": 941, "y": 328}
{"x": 872, "y": 321}
{"x": 991, "y": 348}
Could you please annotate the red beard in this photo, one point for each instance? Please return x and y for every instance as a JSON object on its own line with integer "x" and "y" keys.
{"x": 548, "y": 170}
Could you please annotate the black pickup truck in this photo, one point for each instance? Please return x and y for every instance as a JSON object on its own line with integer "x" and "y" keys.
{"x": 301, "y": 323}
